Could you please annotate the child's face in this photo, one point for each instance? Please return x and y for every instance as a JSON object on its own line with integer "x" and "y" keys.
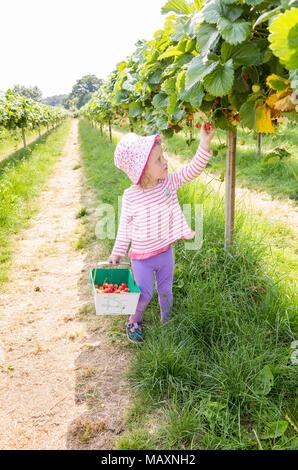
{"x": 157, "y": 167}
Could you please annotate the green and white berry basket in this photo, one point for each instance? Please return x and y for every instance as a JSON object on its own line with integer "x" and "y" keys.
{"x": 114, "y": 304}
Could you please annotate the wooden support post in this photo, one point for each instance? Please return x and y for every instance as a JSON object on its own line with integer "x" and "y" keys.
{"x": 230, "y": 183}
{"x": 24, "y": 139}
{"x": 110, "y": 130}
{"x": 259, "y": 143}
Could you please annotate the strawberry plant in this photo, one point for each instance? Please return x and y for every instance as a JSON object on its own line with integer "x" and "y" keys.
{"x": 18, "y": 111}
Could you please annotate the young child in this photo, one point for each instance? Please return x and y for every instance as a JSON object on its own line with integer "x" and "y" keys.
{"x": 151, "y": 218}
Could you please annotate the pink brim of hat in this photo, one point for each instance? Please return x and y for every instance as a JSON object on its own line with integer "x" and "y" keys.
{"x": 157, "y": 135}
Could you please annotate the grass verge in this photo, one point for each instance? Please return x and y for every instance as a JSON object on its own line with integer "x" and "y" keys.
{"x": 222, "y": 374}
{"x": 23, "y": 176}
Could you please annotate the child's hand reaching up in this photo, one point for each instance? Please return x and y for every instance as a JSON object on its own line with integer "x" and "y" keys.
{"x": 206, "y": 134}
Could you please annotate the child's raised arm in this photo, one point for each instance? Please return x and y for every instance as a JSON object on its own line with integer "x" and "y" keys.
{"x": 200, "y": 160}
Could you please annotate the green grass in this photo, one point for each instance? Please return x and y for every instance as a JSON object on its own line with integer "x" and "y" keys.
{"x": 23, "y": 176}
{"x": 251, "y": 170}
{"x": 221, "y": 373}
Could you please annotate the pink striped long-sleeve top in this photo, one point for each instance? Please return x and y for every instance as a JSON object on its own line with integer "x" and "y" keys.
{"x": 151, "y": 219}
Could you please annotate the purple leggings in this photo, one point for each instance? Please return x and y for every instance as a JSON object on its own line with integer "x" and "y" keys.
{"x": 143, "y": 271}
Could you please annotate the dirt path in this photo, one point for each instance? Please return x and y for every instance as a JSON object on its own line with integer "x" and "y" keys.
{"x": 50, "y": 360}
{"x": 259, "y": 203}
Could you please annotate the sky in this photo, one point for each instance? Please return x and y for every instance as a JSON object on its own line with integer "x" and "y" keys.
{"x": 53, "y": 43}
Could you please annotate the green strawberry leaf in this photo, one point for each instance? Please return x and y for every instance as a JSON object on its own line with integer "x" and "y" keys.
{"x": 247, "y": 115}
{"x": 234, "y": 32}
{"x": 220, "y": 81}
{"x": 264, "y": 381}
{"x": 197, "y": 70}
{"x": 274, "y": 430}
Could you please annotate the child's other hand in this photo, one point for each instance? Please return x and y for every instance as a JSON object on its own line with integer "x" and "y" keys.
{"x": 114, "y": 259}
{"x": 206, "y": 134}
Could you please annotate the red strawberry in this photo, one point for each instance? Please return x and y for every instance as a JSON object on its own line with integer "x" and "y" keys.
{"x": 245, "y": 77}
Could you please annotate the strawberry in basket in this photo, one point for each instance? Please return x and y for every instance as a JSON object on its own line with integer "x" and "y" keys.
{"x": 111, "y": 288}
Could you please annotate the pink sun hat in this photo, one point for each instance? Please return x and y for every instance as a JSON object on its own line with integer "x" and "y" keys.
{"x": 132, "y": 154}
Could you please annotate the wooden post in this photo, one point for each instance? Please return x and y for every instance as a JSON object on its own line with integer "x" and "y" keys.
{"x": 259, "y": 143}
{"x": 131, "y": 125}
{"x": 39, "y": 132}
{"x": 230, "y": 182}
{"x": 24, "y": 139}
{"x": 110, "y": 130}
{"x": 101, "y": 128}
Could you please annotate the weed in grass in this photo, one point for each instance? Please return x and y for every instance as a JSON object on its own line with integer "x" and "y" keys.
{"x": 138, "y": 439}
{"x": 89, "y": 372}
{"x": 82, "y": 212}
{"x": 86, "y": 428}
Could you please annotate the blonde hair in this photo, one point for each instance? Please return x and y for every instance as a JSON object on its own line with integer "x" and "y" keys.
{"x": 145, "y": 179}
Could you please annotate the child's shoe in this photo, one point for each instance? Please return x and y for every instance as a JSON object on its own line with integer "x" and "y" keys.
{"x": 134, "y": 331}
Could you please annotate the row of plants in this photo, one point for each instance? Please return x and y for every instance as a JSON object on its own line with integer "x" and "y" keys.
{"x": 21, "y": 112}
{"x": 231, "y": 62}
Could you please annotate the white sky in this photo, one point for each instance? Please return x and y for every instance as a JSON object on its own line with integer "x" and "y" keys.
{"x": 53, "y": 43}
